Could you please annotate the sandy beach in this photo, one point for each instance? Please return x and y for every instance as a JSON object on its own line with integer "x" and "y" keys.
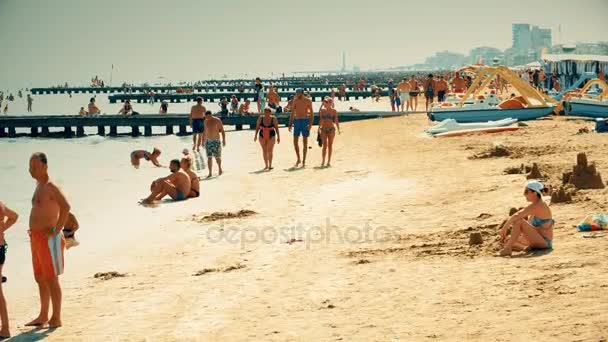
{"x": 374, "y": 248}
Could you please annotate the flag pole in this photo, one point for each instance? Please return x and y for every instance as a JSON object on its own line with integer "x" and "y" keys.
{"x": 111, "y": 71}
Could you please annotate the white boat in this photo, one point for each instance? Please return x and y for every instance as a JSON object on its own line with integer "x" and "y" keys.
{"x": 592, "y": 101}
{"x": 451, "y": 125}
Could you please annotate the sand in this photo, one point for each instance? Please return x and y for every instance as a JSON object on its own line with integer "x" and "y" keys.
{"x": 375, "y": 248}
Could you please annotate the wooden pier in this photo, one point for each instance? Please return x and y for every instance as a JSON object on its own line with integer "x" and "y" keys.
{"x": 73, "y": 126}
{"x": 227, "y": 88}
{"x": 212, "y": 97}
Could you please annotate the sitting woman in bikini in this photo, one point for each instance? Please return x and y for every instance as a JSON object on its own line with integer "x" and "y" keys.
{"x": 138, "y": 154}
{"x": 532, "y": 227}
{"x": 328, "y": 122}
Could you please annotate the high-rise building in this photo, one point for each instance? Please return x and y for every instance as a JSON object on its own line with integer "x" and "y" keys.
{"x": 540, "y": 37}
{"x": 343, "y": 61}
{"x": 522, "y": 38}
{"x": 527, "y": 37}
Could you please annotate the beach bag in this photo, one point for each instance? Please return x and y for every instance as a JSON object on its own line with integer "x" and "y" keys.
{"x": 593, "y": 222}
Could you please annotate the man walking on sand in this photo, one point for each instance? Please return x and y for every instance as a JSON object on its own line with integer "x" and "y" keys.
{"x": 197, "y": 116}
{"x": 301, "y": 119}
{"x": 211, "y": 139}
{"x": 49, "y": 214}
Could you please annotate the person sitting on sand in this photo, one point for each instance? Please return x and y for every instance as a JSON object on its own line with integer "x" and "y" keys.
{"x": 531, "y": 227}
{"x": 69, "y": 231}
{"x": 7, "y": 218}
{"x": 138, "y": 154}
{"x": 93, "y": 109}
{"x": 177, "y": 185}
{"x": 267, "y": 127}
{"x": 195, "y": 185}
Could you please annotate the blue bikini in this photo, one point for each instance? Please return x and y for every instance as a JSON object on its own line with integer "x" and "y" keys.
{"x": 536, "y": 222}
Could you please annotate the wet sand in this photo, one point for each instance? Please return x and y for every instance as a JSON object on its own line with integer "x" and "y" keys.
{"x": 374, "y": 248}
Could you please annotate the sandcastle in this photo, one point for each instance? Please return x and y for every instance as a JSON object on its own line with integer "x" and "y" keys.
{"x": 534, "y": 172}
{"x": 562, "y": 195}
{"x": 583, "y": 175}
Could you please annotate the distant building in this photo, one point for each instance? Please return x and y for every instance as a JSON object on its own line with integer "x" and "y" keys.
{"x": 445, "y": 60}
{"x": 522, "y": 38}
{"x": 486, "y": 54}
{"x": 527, "y": 37}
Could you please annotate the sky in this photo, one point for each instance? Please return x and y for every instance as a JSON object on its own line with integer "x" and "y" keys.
{"x": 45, "y": 42}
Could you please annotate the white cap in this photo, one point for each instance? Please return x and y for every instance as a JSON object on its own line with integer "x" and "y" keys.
{"x": 186, "y": 151}
{"x": 535, "y": 186}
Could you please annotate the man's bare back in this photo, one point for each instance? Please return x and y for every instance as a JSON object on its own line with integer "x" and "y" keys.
{"x": 213, "y": 128}
{"x": 181, "y": 181}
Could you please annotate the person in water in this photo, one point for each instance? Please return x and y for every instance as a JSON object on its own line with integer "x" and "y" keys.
{"x": 152, "y": 157}
{"x": 177, "y": 185}
{"x": 7, "y": 219}
{"x": 69, "y": 231}
{"x": 328, "y": 122}
{"x": 531, "y": 227}
{"x": 267, "y": 127}
{"x": 195, "y": 185}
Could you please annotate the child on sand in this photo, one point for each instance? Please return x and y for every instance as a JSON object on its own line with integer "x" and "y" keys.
{"x": 7, "y": 219}
{"x": 138, "y": 154}
{"x": 532, "y": 227}
{"x": 69, "y": 231}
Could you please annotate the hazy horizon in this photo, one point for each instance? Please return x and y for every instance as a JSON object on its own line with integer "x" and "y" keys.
{"x": 68, "y": 40}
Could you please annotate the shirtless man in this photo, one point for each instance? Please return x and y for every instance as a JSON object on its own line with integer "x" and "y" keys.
{"x": 93, "y": 109}
{"x": 273, "y": 98}
{"x": 342, "y": 92}
{"x": 49, "y": 214}
{"x": 177, "y": 185}
{"x": 211, "y": 140}
{"x": 7, "y": 219}
{"x": 197, "y": 116}
{"x": 430, "y": 88}
{"x": 414, "y": 91}
{"x": 30, "y": 100}
{"x": 195, "y": 185}
{"x": 458, "y": 84}
{"x": 441, "y": 89}
{"x": 403, "y": 91}
{"x": 302, "y": 116}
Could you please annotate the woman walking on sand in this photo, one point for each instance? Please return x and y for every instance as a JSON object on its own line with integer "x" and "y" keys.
{"x": 328, "y": 117}
{"x": 267, "y": 127}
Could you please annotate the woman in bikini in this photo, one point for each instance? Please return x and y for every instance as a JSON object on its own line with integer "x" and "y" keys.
{"x": 139, "y": 154}
{"x": 328, "y": 122}
{"x": 531, "y": 227}
{"x": 267, "y": 127}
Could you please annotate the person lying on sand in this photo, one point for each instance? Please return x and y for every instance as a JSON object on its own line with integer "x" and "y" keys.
{"x": 177, "y": 185}
{"x": 69, "y": 231}
{"x": 353, "y": 109}
{"x": 152, "y": 157}
{"x": 186, "y": 165}
{"x": 531, "y": 227}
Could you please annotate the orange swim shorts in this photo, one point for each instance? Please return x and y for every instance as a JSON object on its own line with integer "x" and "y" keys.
{"x": 47, "y": 254}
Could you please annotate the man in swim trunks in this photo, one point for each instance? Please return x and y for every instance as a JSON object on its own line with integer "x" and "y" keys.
{"x": 177, "y": 185}
{"x": 342, "y": 92}
{"x": 7, "y": 219}
{"x": 414, "y": 91}
{"x": 195, "y": 185}
{"x": 197, "y": 116}
{"x": 211, "y": 140}
{"x": 442, "y": 88}
{"x": 49, "y": 214}
{"x": 429, "y": 91}
{"x": 403, "y": 91}
{"x": 301, "y": 118}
